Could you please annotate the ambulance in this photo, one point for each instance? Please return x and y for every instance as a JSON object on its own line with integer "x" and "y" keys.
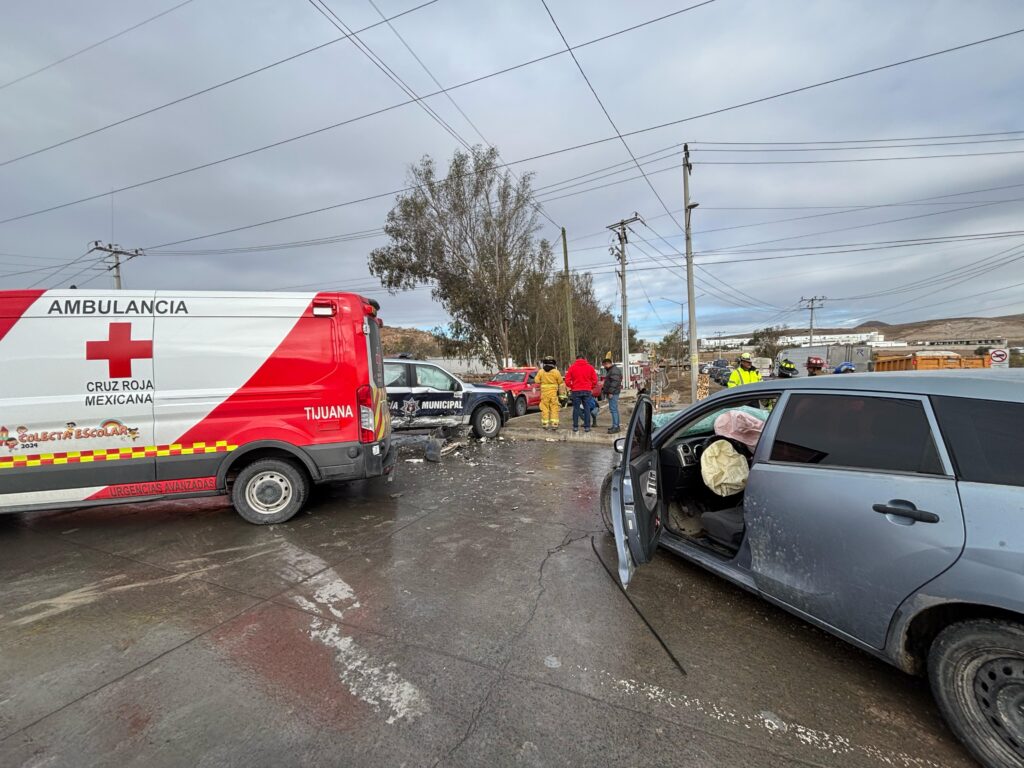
{"x": 130, "y": 396}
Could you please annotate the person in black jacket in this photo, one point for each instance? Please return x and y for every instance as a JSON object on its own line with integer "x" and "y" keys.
{"x": 610, "y": 389}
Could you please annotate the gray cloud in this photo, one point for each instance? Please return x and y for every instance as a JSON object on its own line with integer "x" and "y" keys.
{"x": 721, "y": 54}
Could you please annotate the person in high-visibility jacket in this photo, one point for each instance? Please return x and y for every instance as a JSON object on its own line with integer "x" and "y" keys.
{"x": 549, "y": 380}
{"x": 745, "y": 372}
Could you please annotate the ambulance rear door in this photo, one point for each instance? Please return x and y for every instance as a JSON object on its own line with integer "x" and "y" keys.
{"x": 76, "y": 410}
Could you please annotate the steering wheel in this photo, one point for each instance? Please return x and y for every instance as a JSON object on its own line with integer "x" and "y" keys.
{"x": 741, "y": 448}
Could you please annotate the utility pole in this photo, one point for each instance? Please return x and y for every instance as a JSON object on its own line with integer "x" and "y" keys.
{"x": 815, "y": 302}
{"x": 694, "y": 351}
{"x": 620, "y": 229}
{"x": 116, "y": 252}
{"x": 568, "y": 299}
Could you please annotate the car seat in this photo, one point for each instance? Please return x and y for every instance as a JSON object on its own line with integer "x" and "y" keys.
{"x": 725, "y": 526}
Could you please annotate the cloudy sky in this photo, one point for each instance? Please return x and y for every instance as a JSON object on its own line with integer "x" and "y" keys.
{"x": 882, "y": 238}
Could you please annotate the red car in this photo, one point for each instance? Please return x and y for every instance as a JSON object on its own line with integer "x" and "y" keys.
{"x": 519, "y": 382}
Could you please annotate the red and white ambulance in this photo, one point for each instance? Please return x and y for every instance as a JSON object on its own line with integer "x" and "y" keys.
{"x": 131, "y": 396}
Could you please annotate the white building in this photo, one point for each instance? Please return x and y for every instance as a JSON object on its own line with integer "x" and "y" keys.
{"x": 863, "y": 337}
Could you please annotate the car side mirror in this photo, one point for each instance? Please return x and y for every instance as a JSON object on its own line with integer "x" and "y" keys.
{"x": 620, "y": 445}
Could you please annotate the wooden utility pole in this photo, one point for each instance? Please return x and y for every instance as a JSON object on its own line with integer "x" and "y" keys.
{"x": 620, "y": 229}
{"x": 568, "y": 299}
{"x": 694, "y": 351}
{"x": 815, "y": 302}
{"x": 116, "y": 252}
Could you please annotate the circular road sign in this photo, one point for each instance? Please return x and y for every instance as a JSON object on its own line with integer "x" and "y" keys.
{"x": 998, "y": 355}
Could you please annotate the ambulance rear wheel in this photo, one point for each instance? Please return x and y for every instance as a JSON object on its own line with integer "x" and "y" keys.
{"x": 270, "y": 491}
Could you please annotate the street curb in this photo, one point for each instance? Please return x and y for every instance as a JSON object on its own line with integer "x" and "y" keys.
{"x": 563, "y": 435}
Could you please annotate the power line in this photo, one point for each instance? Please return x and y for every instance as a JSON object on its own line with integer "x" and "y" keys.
{"x": 451, "y": 100}
{"x": 859, "y": 226}
{"x": 326, "y": 11}
{"x": 79, "y": 52}
{"x": 604, "y": 109}
{"x": 536, "y": 157}
{"x": 846, "y": 149}
{"x": 332, "y": 42}
{"x": 206, "y": 90}
{"x": 860, "y": 159}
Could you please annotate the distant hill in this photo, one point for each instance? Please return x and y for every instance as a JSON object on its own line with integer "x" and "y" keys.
{"x": 419, "y": 344}
{"x": 1010, "y": 327}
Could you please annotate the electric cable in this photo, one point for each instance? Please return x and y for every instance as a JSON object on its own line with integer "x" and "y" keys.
{"x": 535, "y": 157}
{"x": 97, "y": 44}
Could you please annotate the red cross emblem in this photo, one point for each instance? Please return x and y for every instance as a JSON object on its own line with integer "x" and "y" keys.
{"x": 119, "y": 350}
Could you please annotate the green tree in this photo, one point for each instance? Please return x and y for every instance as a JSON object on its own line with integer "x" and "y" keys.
{"x": 470, "y": 235}
{"x": 981, "y": 351}
{"x": 767, "y": 341}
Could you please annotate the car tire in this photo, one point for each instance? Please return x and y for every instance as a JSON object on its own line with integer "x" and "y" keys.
{"x": 976, "y": 671}
{"x": 606, "y": 504}
{"x": 486, "y": 422}
{"x": 521, "y": 406}
{"x": 270, "y": 491}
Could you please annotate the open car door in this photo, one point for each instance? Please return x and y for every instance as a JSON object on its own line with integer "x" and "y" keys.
{"x": 636, "y": 506}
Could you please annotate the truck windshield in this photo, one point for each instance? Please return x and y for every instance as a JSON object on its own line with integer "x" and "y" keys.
{"x": 509, "y": 376}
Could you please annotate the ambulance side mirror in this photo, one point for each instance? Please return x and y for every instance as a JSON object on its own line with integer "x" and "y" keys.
{"x": 620, "y": 445}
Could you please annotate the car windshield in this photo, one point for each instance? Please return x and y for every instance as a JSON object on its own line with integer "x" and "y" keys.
{"x": 508, "y": 376}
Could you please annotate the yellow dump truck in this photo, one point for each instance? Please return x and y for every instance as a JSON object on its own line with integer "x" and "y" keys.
{"x": 930, "y": 361}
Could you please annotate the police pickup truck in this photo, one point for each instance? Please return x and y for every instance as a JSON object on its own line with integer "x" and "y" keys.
{"x": 422, "y": 395}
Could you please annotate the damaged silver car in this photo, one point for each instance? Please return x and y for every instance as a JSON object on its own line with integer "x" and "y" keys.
{"x": 887, "y": 509}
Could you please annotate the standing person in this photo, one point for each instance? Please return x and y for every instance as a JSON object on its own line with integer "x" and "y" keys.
{"x": 745, "y": 372}
{"x": 549, "y": 379}
{"x": 581, "y": 379}
{"x": 611, "y": 389}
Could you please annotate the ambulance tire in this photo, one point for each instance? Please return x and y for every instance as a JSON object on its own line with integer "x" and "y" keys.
{"x": 486, "y": 422}
{"x": 270, "y": 491}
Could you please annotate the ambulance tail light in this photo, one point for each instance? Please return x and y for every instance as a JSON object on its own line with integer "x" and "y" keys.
{"x": 367, "y": 428}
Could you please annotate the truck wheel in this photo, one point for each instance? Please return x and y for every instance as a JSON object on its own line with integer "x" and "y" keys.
{"x": 521, "y": 406}
{"x": 270, "y": 491}
{"x": 486, "y": 422}
{"x": 976, "y": 671}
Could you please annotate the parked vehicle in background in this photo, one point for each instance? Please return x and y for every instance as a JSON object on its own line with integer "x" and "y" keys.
{"x": 930, "y": 360}
{"x": 764, "y": 366}
{"x": 422, "y": 395}
{"x": 916, "y": 554}
{"x": 143, "y": 395}
{"x": 518, "y": 382}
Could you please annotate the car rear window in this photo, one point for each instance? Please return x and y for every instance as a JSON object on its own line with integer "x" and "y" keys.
{"x": 884, "y": 434}
{"x": 985, "y": 438}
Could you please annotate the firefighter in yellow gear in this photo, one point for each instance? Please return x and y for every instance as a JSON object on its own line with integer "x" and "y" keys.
{"x": 745, "y": 372}
{"x": 549, "y": 380}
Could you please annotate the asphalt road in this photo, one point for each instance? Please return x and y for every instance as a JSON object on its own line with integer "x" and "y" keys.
{"x": 456, "y": 616}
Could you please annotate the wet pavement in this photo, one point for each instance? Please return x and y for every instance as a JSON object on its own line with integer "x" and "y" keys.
{"x": 459, "y": 615}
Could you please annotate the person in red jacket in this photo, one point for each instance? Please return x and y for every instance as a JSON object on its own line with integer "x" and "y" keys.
{"x": 580, "y": 379}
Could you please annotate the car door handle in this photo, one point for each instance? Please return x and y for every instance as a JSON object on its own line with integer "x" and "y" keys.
{"x": 910, "y": 511}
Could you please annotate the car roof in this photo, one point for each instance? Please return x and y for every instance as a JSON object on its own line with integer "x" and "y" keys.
{"x": 978, "y": 383}
{"x": 522, "y": 369}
